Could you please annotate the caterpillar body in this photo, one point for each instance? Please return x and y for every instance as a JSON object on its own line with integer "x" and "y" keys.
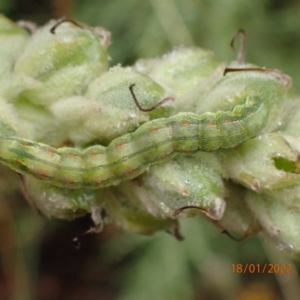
{"x": 130, "y": 155}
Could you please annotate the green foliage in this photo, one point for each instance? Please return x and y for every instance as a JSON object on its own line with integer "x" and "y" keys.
{"x": 140, "y": 31}
{"x": 76, "y": 56}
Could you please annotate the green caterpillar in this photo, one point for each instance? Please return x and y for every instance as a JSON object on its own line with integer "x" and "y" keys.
{"x": 130, "y": 155}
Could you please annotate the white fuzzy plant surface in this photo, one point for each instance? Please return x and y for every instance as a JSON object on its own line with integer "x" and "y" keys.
{"x": 150, "y": 143}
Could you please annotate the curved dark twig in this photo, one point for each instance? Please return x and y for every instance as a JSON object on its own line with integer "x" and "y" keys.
{"x": 215, "y": 222}
{"x": 285, "y": 78}
{"x": 58, "y": 23}
{"x": 106, "y": 36}
{"x": 181, "y": 209}
{"x": 150, "y": 108}
{"x": 226, "y": 232}
{"x": 27, "y": 25}
{"x": 232, "y": 70}
{"x": 242, "y": 52}
{"x": 174, "y": 230}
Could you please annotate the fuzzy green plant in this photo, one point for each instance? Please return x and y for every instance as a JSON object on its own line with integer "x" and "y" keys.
{"x": 151, "y": 143}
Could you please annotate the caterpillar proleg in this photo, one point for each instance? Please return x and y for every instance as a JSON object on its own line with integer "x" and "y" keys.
{"x": 130, "y": 155}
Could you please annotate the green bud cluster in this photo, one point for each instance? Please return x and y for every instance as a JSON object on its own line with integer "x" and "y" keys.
{"x": 56, "y": 88}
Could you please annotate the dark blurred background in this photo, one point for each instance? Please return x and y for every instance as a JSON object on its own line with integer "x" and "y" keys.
{"x": 37, "y": 257}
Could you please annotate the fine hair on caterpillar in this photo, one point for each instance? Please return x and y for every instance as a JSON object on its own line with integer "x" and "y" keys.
{"x": 130, "y": 155}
